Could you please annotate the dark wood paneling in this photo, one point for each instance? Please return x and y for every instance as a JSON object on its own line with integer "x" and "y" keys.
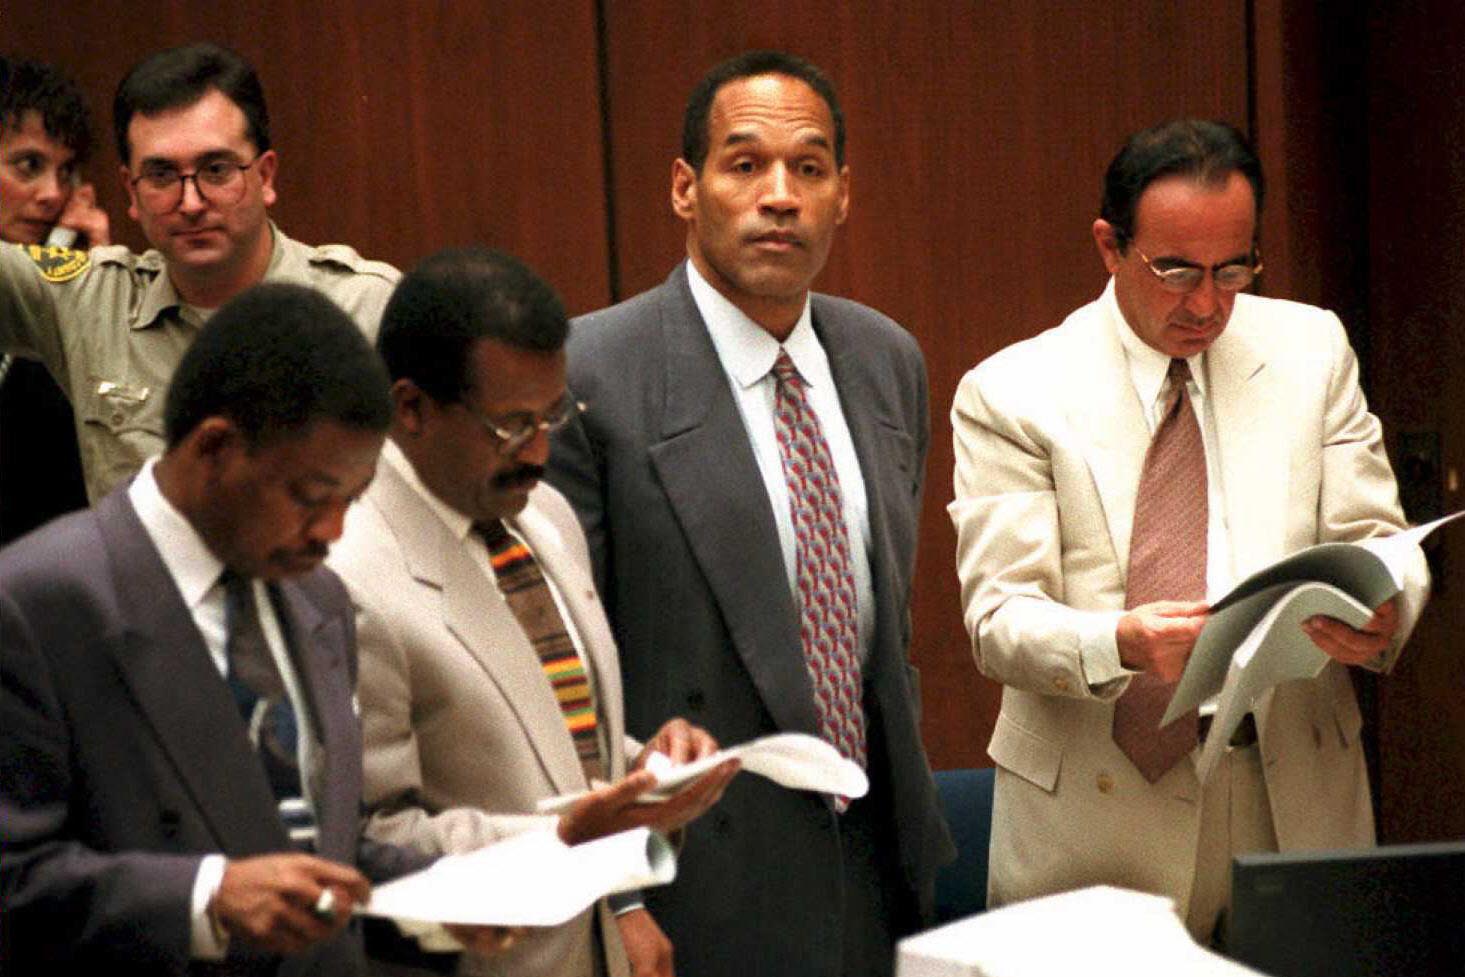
{"x": 978, "y": 136}
{"x": 401, "y": 128}
{"x": 1415, "y": 232}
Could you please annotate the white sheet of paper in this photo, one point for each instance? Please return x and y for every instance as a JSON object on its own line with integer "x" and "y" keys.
{"x": 1370, "y": 571}
{"x": 531, "y": 879}
{"x": 794, "y": 760}
{"x": 1277, "y": 650}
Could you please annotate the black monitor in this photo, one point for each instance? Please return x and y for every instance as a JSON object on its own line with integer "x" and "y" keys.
{"x": 1374, "y": 912}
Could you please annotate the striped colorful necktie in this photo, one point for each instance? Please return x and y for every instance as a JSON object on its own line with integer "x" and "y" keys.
{"x": 528, "y": 595}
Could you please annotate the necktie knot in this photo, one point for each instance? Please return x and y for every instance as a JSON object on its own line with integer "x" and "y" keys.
{"x": 494, "y": 534}
{"x": 784, "y": 370}
{"x": 1179, "y": 371}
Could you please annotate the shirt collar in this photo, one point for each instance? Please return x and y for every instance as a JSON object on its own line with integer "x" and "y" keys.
{"x": 746, "y": 350}
{"x": 160, "y": 296}
{"x": 1148, "y": 367}
{"x": 192, "y": 565}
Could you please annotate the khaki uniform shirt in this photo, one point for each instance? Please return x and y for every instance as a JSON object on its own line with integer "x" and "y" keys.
{"x": 111, "y": 328}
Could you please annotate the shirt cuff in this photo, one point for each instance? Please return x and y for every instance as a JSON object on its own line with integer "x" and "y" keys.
{"x": 1099, "y": 652}
{"x": 205, "y": 940}
{"x": 621, "y": 903}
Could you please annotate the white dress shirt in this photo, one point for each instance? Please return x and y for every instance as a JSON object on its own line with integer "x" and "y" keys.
{"x": 747, "y": 353}
{"x": 196, "y": 571}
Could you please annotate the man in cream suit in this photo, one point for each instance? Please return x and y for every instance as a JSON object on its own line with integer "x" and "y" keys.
{"x": 1052, "y": 437}
{"x": 463, "y": 728}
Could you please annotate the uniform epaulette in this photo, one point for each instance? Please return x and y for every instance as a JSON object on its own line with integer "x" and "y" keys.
{"x": 345, "y": 256}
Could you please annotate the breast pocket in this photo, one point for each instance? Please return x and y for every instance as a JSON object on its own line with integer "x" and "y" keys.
{"x": 121, "y": 427}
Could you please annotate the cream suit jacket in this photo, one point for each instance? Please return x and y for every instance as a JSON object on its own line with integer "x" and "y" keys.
{"x": 1050, "y": 441}
{"x": 462, "y": 731}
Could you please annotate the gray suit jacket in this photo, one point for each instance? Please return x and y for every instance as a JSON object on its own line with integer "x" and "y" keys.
{"x": 463, "y": 733}
{"x": 124, "y": 759}
{"x": 664, "y": 479}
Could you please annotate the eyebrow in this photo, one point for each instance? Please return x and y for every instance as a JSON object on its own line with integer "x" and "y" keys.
{"x": 204, "y": 157}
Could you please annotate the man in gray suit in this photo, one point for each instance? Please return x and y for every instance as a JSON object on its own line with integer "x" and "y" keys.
{"x": 180, "y": 773}
{"x": 749, "y": 476}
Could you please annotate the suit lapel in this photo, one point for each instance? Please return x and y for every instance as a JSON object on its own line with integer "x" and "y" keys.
{"x": 1105, "y": 411}
{"x": 317, "y": 648}
{"x": 712, "y": 481}
{"x": 1246, "y": 399}
{"x": 168, "y": 670}
{"x": 476, "y": 615}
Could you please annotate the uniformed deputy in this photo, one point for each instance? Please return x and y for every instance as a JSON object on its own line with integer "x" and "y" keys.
{"x": 193, "y": 133}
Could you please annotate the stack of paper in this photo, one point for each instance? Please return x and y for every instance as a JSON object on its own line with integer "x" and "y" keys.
{"x": 1093, "y": 932}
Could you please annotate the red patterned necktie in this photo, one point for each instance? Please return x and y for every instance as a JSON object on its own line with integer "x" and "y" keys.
{"x": 1167, "y": 561}
{"x": 527, "y": 593}
{"x": 828, "y": 607}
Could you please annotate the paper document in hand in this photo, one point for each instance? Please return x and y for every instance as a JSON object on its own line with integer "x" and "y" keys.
{"x": 1256, "y": 627}
{"x": 532, "y": 879}
{"x": 794, "y": 760}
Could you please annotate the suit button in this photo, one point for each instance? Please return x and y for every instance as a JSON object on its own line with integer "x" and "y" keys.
{"x": 1061, "y": 684}
{"x": 590, "y": 595}
{"x": 696, "y": 700}
{"x": 1105, "y": 783}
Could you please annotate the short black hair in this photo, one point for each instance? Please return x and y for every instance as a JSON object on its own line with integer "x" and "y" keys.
{"x": 180, "y": 76}
{"x": 274, "y": 360}
{"x": 29, "y": 86}
{"x": 751, "y": 64}
{"x": 1207, "y": 152}
{"x": 455, "y": 298}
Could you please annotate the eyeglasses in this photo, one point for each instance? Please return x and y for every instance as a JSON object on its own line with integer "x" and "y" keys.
{"x": 516, "y": 431}
{"x": 219, "y": 182}
{"x": 1184, "y": 279}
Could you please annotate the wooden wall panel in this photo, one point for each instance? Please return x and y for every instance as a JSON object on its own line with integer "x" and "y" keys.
{"x": 1415, "y": 233}
{"x": 978, "y": 136}
{"x": 401, "y": 128}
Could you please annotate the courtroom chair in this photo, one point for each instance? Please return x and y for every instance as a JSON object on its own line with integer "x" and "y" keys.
{"x": 966, "y": 799}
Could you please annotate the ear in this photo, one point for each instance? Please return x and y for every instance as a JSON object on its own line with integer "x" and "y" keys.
{"x": 409, "y": 407}
{"x": 1107, "y": 239}
{"x": 125, "y": 175}
{"x": 267, "y": 164}
{"x": 843, "y": 211}
{"x": 683, "y": 189}
{"x": 214, "y": 443}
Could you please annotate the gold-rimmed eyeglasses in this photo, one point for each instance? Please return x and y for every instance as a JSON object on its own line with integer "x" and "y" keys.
{"x": 1182, "y": 279}
{"x": 517, "y": 430}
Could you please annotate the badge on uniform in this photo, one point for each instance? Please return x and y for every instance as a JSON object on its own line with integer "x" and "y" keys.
{"x": 57, "y": 264}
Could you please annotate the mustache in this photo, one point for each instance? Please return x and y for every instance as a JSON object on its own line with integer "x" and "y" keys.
{"x": 518, "y": 476}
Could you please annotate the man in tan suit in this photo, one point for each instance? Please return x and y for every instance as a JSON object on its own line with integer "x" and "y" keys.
{"x": 472, "y": 710}
{"x": 1052, "y": 438}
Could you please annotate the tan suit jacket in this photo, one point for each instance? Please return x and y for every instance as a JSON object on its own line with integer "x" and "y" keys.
{"x": 1050, "y": 440}
{"x": 462, "y": 731}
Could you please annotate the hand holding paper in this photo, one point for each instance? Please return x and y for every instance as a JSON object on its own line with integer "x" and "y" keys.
{"x": 794, "y": 760}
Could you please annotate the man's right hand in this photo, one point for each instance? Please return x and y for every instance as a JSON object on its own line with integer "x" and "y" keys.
{"x": 615, "y": 808}
{"x": 267, "y": 901}
{"x": 1158, "y": 637}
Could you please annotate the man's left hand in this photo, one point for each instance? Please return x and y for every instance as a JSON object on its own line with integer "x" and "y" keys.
{"x": 680, "y": 741}
{"x": 647, "y": 947}
{"x": 1360, "y": 646}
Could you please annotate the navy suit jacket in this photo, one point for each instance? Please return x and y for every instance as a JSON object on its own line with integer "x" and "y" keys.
{"x": 686, "y": 550}
{"x": 124, "y": 759}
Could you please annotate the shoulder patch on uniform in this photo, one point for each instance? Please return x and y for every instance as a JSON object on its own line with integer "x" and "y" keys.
{"x": 57, "y": 264}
